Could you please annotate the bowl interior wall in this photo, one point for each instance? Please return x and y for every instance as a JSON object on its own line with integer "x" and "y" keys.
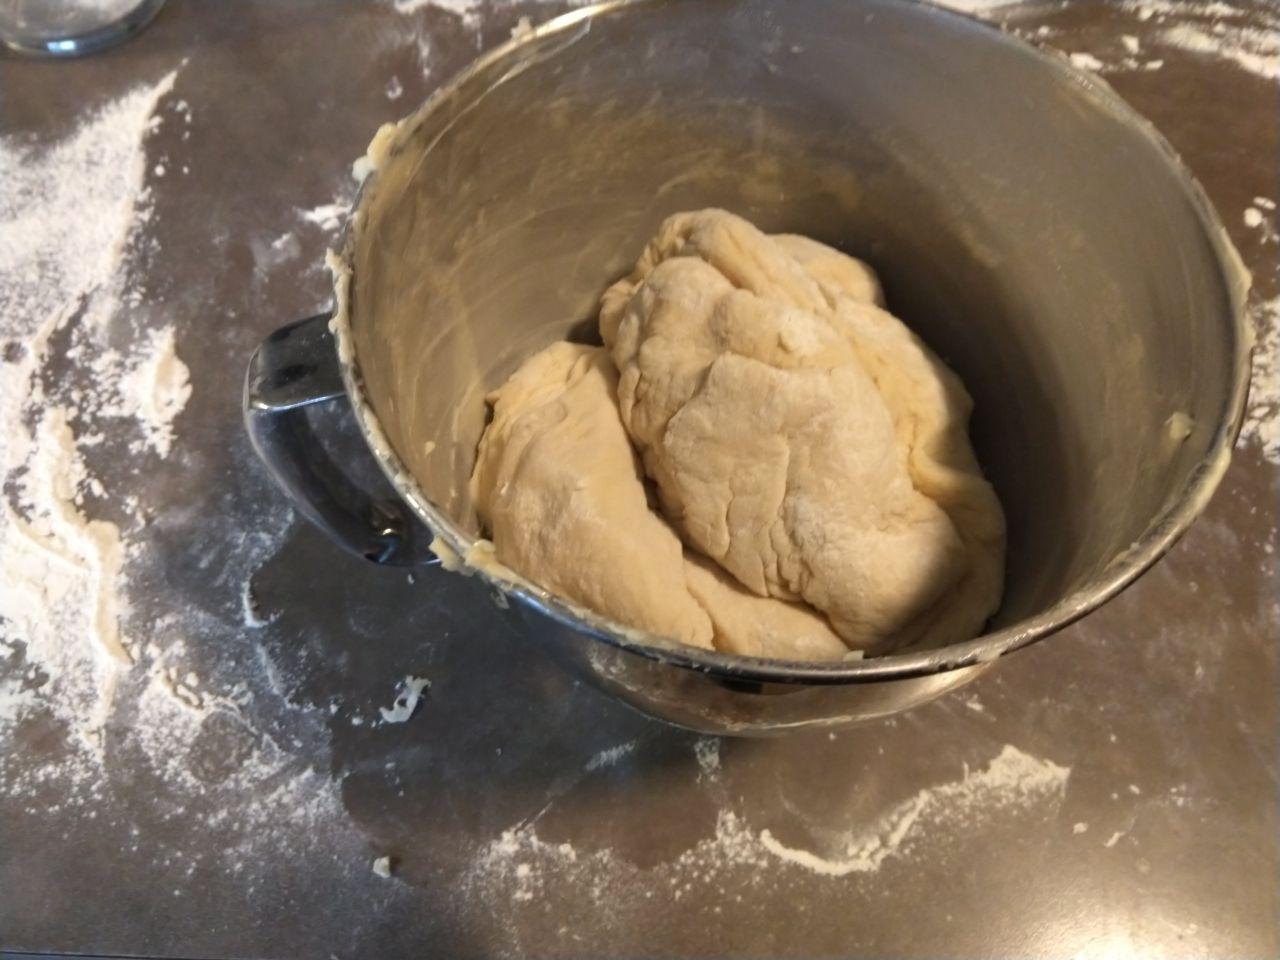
{"x": 1041, "y": 243}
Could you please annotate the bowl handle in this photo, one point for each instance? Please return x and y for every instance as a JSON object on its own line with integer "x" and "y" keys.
{"x": 294, "y": 367}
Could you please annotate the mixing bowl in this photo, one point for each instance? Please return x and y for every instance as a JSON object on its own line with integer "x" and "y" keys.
{"x": 1038, "y": 234}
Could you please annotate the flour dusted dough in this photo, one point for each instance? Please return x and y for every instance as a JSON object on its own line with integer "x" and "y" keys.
{"x": 802, "y": 437}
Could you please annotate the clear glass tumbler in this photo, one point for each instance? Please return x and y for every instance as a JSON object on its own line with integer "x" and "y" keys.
{"x": 70, "y": 28}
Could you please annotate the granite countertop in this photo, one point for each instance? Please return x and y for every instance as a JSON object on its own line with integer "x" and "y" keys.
{"x": 163, "y": 207}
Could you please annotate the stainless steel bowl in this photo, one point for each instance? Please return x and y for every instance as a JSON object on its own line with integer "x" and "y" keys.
{"x": 1034, "y": 230}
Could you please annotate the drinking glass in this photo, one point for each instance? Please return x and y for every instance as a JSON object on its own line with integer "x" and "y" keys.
{"x": 70, "y": 28}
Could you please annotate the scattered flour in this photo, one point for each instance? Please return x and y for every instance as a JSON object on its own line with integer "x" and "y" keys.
{"x": 466, "y": 10}
{"x": 707, "y": 752}
{"x": 1246, "y": 35}
{"x": 250, "y": 616}
{"x": 459, "y": 7}
{"x": 55, "y": 559}
{"x": 327, "y": 216}
{"x": 15, "y": 696}
{"x": 67, "y": 214}
{"x": 90, "y": 391}
{"x": 1013, "y": 778}
{"x": 1261, "y": 218}
{"x": 522, "y": 29}
{"x": 1085, "y": 61}
{"x": 522, "y": 864}
{"x": 155, "y": 390}
{"x": 1262, "y": 419}
{"x": 1160, "y": 10}
{"x": 1250, "y": 48}
{"x": 862, "y": 854}
{"x": 607, "y": 758}
{"x": 407, "y": 697}
{"x": 270, "y": 255}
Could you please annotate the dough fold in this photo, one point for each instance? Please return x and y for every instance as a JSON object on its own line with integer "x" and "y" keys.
{"x": 557, "y": 485}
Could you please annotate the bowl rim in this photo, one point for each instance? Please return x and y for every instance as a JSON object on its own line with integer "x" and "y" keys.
{"x": 1161, "y": 533}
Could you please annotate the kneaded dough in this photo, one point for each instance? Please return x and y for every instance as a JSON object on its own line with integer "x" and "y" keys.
{"x": 800, "y": 436}
{"x": 562, "y": 493}
{"x": 811, "y": 452}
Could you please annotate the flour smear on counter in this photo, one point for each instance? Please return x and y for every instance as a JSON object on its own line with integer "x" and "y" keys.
{"x": 1247, "y": 36}
{"x": 1012, "y": 778}
{"x": 1262, "y": 419}
{"x": 529, "y": 871}
{"x": 92, "y": 395}
{"x": 67, "y": 212}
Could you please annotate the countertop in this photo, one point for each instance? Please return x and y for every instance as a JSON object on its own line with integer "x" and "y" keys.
{"x": 1107, "y": 793}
